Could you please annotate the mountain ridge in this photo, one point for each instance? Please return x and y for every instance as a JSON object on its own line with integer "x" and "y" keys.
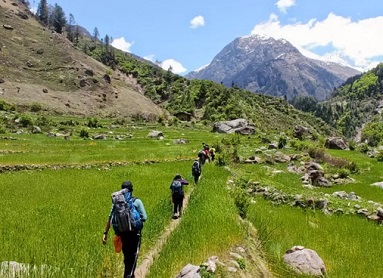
{"x": 275, "y": 67}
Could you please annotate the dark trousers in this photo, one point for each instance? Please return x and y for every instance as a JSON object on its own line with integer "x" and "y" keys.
{"x": 196, "y": 177}
{"x": 177, "y": 202}
{"x": 131, "y": 242}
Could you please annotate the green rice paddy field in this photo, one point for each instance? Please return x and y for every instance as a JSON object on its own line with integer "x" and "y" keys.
{"x": 53, "y": 216}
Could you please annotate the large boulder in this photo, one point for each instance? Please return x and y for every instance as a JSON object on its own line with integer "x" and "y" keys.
{"x": 300, "y": 131}
{"x": 337, "y": 143}
{"x": 246, "y": 130}
{"x": 189, "y": 271}
{"x": 155, "y": 134}
{"x": 304, "y": 261}
{"x": 229, "y": 126}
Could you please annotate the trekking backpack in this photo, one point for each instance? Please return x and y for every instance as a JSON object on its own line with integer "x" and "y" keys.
{"x": 201, "y": 154}
{"x": 196, "y": 167}
{"x": 125, "y": 217}
{"x": 177, "y": 187}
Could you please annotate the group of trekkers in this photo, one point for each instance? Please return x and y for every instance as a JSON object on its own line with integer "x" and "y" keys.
{"x": 128, "y": 213}
{"x": 178, "y": 183}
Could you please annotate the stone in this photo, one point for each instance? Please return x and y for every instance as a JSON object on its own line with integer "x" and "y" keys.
{"x": 304, "y": 261}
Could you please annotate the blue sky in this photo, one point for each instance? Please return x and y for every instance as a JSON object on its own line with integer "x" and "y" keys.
{"x": 188, "y": 34}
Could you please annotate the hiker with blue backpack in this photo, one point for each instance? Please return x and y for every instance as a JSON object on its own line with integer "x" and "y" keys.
{"x": 178, "y": 194}
{"x": 126, "y": 217}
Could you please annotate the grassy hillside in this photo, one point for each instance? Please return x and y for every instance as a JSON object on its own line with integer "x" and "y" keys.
{"x": 354, "y": 108}
{"x": 41, "y": 66}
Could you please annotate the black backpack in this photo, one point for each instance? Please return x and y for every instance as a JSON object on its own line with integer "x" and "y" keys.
{"x": 196, "y": 169}
{"x": 177, "y": 188}
{"x": 126, "y": 216}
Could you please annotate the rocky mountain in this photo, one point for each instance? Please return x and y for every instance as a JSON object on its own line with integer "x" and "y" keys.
{"x": 273, "y": 67}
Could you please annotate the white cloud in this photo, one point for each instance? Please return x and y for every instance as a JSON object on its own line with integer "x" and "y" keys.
{"x": 122, "y": 44}
{"x": 283, "y": 5}
{"x": 177, "y": 67}
{"x": 197, "y": 21}
{"x": 150, "y": 58}
{"x": 358, "y": 41}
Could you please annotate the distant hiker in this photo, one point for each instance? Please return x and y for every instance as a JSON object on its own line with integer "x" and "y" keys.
{"x": 206, "y": 150}
{"x": 126, "y": 216}
{"x": 212, "y": 153}
{"x": 178, "y": 194}
{"x": 196, "y": 170}
{"x": 202, "y": 157}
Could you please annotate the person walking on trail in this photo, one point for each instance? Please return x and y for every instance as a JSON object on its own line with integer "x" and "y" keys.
{"x": 178, "y": 195}
{"x": 206, "y": 151}
{"x": 127, "y": 229}
{"x": 196, "y": 170}
{"x": 212, "y": 153}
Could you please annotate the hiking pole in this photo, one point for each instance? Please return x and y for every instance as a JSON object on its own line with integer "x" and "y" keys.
{"x": 135, "y": 258}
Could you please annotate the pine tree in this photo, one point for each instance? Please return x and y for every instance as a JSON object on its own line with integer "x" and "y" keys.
{"x": 59, "y": 20}
{"x": 71, "y": 28}
{"x": 43, "y": 12}
{"x": 96, "y": 34}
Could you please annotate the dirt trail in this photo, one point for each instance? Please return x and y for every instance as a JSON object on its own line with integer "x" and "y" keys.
{"x": 143, "y": 269}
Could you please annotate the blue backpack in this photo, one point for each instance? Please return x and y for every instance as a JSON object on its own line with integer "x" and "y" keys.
{"x": 177, "y": 188}
{"x": 126, "y": 216}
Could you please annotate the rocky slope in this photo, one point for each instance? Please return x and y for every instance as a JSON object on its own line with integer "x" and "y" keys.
{"x": 38, "y": 65}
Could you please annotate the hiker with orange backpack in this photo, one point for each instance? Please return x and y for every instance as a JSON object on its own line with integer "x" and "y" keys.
{"x": 127, "y": 216}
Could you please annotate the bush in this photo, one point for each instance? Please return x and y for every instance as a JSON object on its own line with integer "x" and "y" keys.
{"x": 363, "y": 148}
{"x": 93, "y": 123}
{"x": 2, "y": 129}
{"x": 84, "y": 134}
{"x": 317, "y": 153}
{"x": 26, "y": 121}
{"x": 343, "y": 173}
{"x": 282, "y": 142}
{"x": 222, "y": 159}
{"x": 36, "y": 107}
{"x": 242, "y": 201}
{"x": 379, "y": 156}
{"x": 352, "y": 145}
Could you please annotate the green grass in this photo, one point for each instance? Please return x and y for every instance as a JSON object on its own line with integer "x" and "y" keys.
{"x": 56, "y": 217}
{"x": 350, "y": 246}
{"x": 209, "y": 226}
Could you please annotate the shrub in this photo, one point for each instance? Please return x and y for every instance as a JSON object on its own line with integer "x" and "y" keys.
{"x": 2, "y": 129}
{"x": 317, "y": 153}
{"x": 241, "y": 263}
{"x": 363, "y": 148}
{"x": 93, "y": 122}
{"x": 379, "y": 156}
{"x": 84, "y": 134}
{"x": 282, "y": 142}
{"x": 44, "y": 121}
{"x": 242, "y": 201}
{"x": 222, "y": 159}
{"x": 36, "y": 107}
{"x": 343, "y": 173}
{"x": 352, "y": 145}
{"x": 26, "y": 121}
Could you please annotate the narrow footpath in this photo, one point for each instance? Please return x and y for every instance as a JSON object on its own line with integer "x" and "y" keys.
{"x": 143, "y": 269}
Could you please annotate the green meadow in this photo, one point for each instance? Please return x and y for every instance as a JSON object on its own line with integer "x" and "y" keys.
{"x": 53, "y": 216}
